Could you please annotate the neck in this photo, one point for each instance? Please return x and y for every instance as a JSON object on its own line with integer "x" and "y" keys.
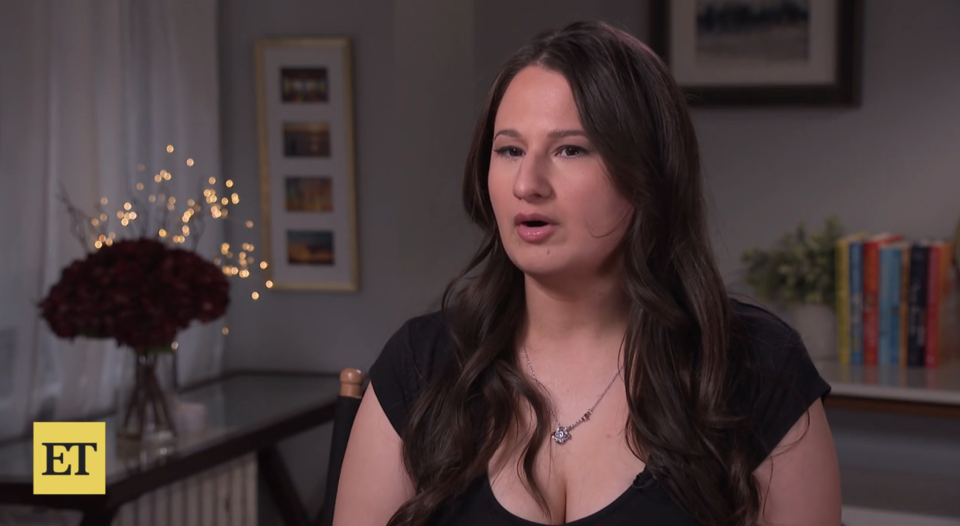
{"x": 572, "y": 313}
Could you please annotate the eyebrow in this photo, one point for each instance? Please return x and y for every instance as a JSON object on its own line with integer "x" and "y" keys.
{"x": 555, "y": 134}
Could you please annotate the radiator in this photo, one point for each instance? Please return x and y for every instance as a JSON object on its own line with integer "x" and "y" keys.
{"x": 223, "y": 496}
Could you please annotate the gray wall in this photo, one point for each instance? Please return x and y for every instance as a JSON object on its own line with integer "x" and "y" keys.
{"x": 433, "y": 86}
{"x": 498, "y": 35}
{"x": 890, "y": 165}
{"x": 414, "y": 90}
{"x": 413, "y": 96}
{"x": 304, "y": 331}
{"x": 422, "y": 66}
{"x": 300, "y": 330}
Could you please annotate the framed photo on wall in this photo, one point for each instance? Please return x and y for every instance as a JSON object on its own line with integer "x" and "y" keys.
{"x": 761, "y": 52}
{"x": 307, "y": 180}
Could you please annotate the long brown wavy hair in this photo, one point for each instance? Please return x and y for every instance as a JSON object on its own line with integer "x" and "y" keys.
{"x": 676, "y": 352}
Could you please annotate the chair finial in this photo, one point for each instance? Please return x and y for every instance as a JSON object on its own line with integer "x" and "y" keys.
{"x": 351, "y": 383}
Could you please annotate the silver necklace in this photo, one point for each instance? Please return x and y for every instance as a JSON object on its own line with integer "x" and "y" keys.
{"x": 562, "y": 434}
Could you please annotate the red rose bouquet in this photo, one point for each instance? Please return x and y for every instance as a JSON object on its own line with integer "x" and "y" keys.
{"x": 143, "y": 283}
{"x": 139, "y": 292}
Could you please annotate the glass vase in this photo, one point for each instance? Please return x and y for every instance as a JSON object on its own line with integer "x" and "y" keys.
{"x": 147, "y": 398}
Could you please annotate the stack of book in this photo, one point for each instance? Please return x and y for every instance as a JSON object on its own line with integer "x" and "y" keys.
{"x": 897, "y": 301}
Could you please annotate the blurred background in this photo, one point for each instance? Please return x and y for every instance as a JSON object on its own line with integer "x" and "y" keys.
{"x": 97, "y": 97}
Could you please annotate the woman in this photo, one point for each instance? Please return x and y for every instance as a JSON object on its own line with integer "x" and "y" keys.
{"x": 594, "y": 370}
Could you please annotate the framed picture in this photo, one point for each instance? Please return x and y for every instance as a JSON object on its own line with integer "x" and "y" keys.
{"x": 307, "y": 180}
{"x": 761, "y": 52}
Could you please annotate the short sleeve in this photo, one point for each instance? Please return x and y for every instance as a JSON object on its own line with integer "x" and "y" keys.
{"x": 390, "y": 377}
{"x": 785, "y": 386}
{"x": 407, "y": 361}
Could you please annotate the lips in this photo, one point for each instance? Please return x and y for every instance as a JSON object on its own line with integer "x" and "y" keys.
{"x": 534, "y": 228}
{"x": 532, "y": 220}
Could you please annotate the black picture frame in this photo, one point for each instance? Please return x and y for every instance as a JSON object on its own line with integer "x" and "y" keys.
{"x": 843, "y": 90}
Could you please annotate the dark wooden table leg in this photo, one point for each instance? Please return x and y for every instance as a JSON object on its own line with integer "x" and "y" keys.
{"x": 99, "y": 517}
{"x": 274, "y": 472}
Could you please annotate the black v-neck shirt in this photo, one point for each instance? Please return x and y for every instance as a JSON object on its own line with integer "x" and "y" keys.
{"x": 418, "y": 352}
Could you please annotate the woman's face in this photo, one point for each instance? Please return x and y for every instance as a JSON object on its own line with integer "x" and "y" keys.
{"x": 557, "y": 212}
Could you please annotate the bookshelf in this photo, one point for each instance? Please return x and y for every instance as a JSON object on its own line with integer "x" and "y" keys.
{"x": 928, "y": 391}
{"x": 897, "y": 432}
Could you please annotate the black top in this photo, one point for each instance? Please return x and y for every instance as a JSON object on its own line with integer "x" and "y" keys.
{"x": 417, "y": 352}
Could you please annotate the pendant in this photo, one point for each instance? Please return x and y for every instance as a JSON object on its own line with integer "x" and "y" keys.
{"x": 561, "y": 435}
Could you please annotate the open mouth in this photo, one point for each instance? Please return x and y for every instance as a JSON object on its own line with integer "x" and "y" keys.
{"x": 534, "y": 228}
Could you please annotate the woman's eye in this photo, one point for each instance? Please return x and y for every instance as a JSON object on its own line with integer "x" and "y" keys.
{"x": 572, "y": 151}
{"x": 509, "y": 151}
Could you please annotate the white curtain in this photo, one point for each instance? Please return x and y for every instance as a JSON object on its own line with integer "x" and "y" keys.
{"x": 90, "y": 90}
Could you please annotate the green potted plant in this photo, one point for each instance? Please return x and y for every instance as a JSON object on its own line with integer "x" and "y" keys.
{"x": 798, "y": 276}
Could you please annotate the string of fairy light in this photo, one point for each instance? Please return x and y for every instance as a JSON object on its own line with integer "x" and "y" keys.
{"x": 161, "y": 219}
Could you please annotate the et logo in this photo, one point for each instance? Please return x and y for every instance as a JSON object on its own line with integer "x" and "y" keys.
{"x": 69, "y": 458}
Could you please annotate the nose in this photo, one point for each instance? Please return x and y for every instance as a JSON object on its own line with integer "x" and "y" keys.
{"x": 532, "y": 182}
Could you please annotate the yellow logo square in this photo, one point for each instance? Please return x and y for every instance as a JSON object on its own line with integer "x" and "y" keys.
{"x": 69, "y": 458}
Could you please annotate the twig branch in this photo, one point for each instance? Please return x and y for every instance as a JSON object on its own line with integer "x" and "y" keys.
{"x": 80, "y": 222}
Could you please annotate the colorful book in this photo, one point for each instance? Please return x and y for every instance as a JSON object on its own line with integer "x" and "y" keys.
{"x": 917, "y": 304}
{"x": 891, "y": 263}
{"x": 950, "y": 306}
{"x": 941, "y": 305}
{"x": 904, "y": 297}
{"x": 884, "y": 356}
{"x": 856, "y": 302}
{"x": 932, "y": 354}
{"x": 871, "y": 294}
{"x": 843, "y": 295}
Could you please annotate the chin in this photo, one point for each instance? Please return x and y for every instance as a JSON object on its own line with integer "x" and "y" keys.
{"x": 541, "y": 266}
{"x": 540, "y": 272}
{"x": 556, "y": 267}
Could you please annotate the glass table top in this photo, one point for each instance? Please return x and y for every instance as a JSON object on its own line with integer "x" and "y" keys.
{"x": 209, "y": 416}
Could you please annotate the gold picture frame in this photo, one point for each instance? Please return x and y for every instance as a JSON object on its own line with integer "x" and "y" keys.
{"x": 307, "y": 163}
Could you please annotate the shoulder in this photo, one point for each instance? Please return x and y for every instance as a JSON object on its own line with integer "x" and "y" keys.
{"x": 768, "y": 338}
{"x": 425, "y": 340}
{"x": 416, "y": 352}
{"x": 780, "y": 382}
